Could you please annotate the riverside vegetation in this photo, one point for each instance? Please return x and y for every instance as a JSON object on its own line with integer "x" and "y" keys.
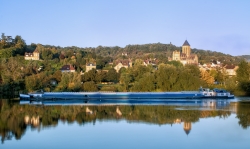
{"x": 17, "y": 74}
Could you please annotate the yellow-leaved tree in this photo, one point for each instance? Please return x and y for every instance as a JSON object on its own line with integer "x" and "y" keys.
{"x": 205, "y": 76}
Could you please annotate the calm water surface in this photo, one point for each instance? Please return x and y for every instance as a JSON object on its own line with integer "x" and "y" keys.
{"x": 175, "y": 124}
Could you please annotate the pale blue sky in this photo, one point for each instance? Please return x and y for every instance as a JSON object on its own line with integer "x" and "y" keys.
{"x": 216, "y": 25}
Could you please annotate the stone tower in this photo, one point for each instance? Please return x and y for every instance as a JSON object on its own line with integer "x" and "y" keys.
{"x": 186, "y": 48}
{"x": 176, "y": 55}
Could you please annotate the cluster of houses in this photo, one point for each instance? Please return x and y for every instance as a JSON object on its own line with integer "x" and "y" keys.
{"x": 230, "y": 70}
{"x": 125, "y": 63}
{"x": 184, "y": 56}
{"x": 90, "y": 66}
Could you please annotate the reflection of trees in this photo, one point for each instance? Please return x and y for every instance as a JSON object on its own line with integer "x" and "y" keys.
{"x": 11, "y": 122}
{"x": 13, "y": 116}
{"x": 243, "y": 114}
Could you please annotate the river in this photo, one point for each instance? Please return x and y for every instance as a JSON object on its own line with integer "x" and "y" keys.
{"x": 119, "y": 124}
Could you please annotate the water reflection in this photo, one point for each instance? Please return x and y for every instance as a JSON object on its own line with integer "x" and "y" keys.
{"x": 15, "y": 117}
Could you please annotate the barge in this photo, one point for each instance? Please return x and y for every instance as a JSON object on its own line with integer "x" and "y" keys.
{"x": 202, "y": 93}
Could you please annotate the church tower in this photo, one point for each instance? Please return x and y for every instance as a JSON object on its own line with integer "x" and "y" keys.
{"x": 186, "y": 48}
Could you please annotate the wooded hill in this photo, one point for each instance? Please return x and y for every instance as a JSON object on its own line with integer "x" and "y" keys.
{"x": 11, "y": 47}
{"x": 246, "y": 57}
{"x": 159, "y": 51}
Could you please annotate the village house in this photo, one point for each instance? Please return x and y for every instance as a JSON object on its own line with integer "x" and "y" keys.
{"x": 210, "y": 66}
{"x": 90, "y": 66}
{"x": 230, "y": 70}
{"x": 152, "y": 62}
{"x": 68, "y": 68}
{"x": 32, "y": 56}
{"x": 123, "y": 63}
{"x": 124, "y": 54}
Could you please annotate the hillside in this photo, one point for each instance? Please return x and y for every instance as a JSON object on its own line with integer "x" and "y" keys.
{"x": 161, "y": 52}
{"x": 246, "y": 57}
{"x": 11, "y": 47}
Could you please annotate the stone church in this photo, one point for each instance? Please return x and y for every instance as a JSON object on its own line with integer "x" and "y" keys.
{"x": 185, "y": 56}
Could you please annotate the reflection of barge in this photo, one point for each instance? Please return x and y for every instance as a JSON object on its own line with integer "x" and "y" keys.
{"x": 195, "y": 103}
{"x": 202, "y": 93}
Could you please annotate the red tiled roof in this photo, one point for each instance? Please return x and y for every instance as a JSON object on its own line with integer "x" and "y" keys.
{"x": 229, "y": 66}
{"x": 123, "y": 62}
{"x": 67, "y": 67}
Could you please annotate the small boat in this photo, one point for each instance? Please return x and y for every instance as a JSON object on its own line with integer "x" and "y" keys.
{"x": 202, "y": 93}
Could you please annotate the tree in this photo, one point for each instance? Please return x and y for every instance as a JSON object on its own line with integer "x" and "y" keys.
{"x": 231, "y": 84}
{"x": 125, "y": 79}
{"x": 7, "y": 53}
{"x": 90, "y": 86}
{"x": 47, "y": 54}
{"x": 70, "y": 82}
{"x": 3, "y": 42}
{"x": 187, "y": 80}
{"x": 122, "y": 70}
{"x": 36, "y": 81}
{"x": 138, "y": 71}
{"x": 221, "y": 76}
{"x": 101, "y": 76}
{"x": 145, "y": 84}
{"x": 89, "y": 76}
{"x": 166, "y": 77}
{"x": 138, "y": 62}
{"x": 175, "y": 63}
{"x": 20, "y": 45}
{"x": 243, "y": 72}
{"x": 205, "y": 76}
{"x": 62, "y": 57}
{"x": 74, "y": 83}
{"x": 112, "y": 75}
{"x": 243, "y": 76}
{"x": 11, "y": 70}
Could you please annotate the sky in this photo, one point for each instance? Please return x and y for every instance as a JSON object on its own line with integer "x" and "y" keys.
{"x": 216, "y": 25}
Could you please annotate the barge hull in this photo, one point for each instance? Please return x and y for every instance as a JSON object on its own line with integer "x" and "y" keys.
{"x": 118, "y": 95}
